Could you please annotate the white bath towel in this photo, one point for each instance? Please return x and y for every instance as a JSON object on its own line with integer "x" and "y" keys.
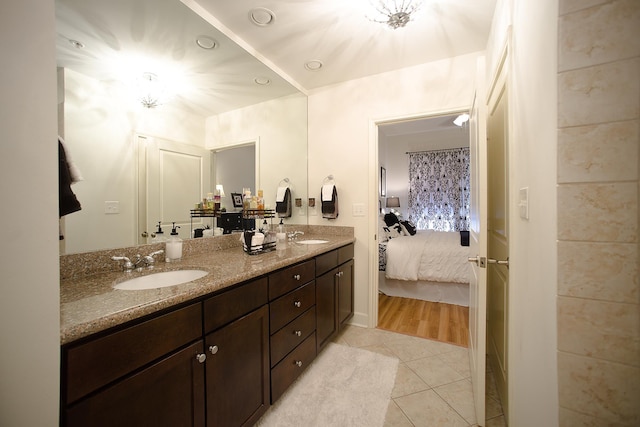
{"x": 280, "y": 193}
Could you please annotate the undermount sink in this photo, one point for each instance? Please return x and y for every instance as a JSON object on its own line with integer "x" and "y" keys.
{"x": 160, "y": 280}
{"x": 311, "y": 241}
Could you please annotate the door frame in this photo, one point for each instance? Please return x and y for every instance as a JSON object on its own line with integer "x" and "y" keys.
{"x": 374, "y": 183}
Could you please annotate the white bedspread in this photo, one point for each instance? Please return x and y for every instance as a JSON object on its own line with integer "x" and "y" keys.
{"x": 428, "y": 255}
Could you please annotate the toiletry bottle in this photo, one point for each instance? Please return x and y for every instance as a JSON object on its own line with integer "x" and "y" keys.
{"x": 174, "y": 245}
{"x": 281, "y": 237}
{"x": 260, "y": 200}
{"x": 159, "y": 234}
{"x": 246, "y": 200}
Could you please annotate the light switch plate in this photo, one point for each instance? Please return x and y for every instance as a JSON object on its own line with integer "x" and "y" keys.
{"x": 358, "y": 209}
{"x": 112, "y": 207}
{"x": 523, "y": 203}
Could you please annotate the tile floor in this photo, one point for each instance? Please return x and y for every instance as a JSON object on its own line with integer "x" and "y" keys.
{"x": 433, "y": 383}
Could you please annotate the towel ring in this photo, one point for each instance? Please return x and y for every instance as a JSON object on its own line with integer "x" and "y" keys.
{"x": 283, "y": 180}
{"x": 329, "y": 178}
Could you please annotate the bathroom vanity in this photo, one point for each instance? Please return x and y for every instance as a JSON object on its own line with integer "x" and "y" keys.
{"x": 217, "y": 351}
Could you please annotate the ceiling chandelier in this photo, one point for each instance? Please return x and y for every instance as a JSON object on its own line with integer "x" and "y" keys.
{"x": 151, "y": 92}
{"x": 395, "y": 13}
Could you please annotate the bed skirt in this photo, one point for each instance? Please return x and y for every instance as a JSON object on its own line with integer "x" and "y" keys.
{"x": 447, "y": 293}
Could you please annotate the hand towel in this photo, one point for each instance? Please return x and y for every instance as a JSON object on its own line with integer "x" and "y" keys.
{"x": 280, "y": 193}
{"x": 329, "y": 199}
{"x": 76, "y": 175}
{"x": 67, "y": 201}
{"x": 283, "y": 204}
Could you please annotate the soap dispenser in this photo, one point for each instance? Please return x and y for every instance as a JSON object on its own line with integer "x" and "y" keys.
{"x": 174, "y": 245}
{"x": 159, "y": 234}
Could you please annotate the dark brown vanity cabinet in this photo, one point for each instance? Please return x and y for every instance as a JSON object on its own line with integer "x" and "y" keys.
{"x": 334, "y": 292}
{"x": 292, "y": 315}
{"x": 237, "y": 346}
{"x": 150, "y": 373}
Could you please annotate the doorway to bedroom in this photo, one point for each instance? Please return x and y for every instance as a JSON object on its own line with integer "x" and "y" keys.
{"x": 413, "y": 298}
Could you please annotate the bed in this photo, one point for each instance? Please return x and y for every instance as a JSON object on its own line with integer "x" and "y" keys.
{"x": 430, "y": 255}
{"x": 430, "y": 265}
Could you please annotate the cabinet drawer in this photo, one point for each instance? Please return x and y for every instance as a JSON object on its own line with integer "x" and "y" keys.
{"x": 230, "y": 305}
{"x": 289, "y": 306}
{"x": 290, "y": 278}
{"x": 345, "y": 253}
{"x": 290, "y": 368}
{"x": 326, "y": 262}
{"x": 96, "y": 363}
{"x": 287, "y": 338}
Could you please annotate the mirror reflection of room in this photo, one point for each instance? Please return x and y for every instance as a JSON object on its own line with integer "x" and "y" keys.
{"x": 153, "y": 71}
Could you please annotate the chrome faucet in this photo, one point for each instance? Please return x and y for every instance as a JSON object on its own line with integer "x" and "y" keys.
{"x": 148, "y": 260}
{"x": 294, "y": 234}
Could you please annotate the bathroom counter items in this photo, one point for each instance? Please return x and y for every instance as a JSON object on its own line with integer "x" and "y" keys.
{"x": 90, "y": 303}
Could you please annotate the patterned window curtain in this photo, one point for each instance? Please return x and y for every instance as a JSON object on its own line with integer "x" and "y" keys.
{"x": 439, "y": 189}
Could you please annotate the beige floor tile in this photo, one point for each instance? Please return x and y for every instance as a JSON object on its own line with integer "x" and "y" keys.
{"x": 362, "y": 337}
{"x": 459, "y": 395}
{"x": 496, "y": 422}
{"x": 458, "y": 360}
{"x": 427, "y": 409}
{"x": 410, "y": 348}
{"x": 434, "y": 371}
{"x": 395, "y": 417}
{"x": 407, "y": 382}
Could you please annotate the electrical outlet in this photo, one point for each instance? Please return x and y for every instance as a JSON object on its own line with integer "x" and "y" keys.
{"x": 112, "y": 207}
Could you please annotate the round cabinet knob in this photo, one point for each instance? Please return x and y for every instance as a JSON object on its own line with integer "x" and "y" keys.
{"x": 297, "y": 333}
{"x": 297, "y": 304}
{"x": 213, "y": 349}
{"x": 201, "y": 357}
{"x": 296, "y": 276}
{"x": 299, "y": 363}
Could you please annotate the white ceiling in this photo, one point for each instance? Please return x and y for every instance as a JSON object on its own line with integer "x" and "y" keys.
{"x": 336, "y": 32}
{"x": 340, "y": 34}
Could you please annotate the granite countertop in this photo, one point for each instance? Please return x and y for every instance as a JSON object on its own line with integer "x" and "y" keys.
{"x": 90, "y": 304}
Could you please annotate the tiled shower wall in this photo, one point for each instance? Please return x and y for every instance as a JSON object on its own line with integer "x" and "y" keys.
{"x": 598, "y": 145}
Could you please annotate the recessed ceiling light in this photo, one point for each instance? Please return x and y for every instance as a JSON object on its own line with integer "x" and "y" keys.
{"x": 262, "y": 81}
{"x": 313, "y": 65}
{"x": 76, "y": 44}
{"x": 261, "y": 16}
{"x": 206, "y": 42}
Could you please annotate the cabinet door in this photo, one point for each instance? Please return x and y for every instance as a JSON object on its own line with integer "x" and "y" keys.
{"x": 326, "y": 319}
{"x": 168, "y": 393}
{"x": 345, "y": 292}
{"x": 238, "y": 371}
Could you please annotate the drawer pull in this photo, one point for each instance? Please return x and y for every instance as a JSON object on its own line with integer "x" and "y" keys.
{"x": 201, "y": 357}
{"x": 296, "y": 276}
{"x": 297, "y": 333}
{"x": 299, "y": 363}
{"x": 297, "y": 304}
{"x": 213, "y": 349}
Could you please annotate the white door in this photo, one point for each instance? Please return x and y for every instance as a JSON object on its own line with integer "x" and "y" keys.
{"x": 177, "y": 177}
{"x": 498, "y": 243}
{"x": 478, "y": 252}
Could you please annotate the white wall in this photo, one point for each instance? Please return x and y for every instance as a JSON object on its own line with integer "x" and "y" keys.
{"x": 100, "y": 120}
{"x": 340, "y": 141}
{"x": 29, "y": 306}
{"x": 532, "y": 333}
{"x": 280, "y": 128}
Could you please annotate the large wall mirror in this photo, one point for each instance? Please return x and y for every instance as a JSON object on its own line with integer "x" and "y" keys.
{"x": 116, "y": 60}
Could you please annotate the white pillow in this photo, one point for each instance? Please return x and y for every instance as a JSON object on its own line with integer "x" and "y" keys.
{"x": 382, "y": 234}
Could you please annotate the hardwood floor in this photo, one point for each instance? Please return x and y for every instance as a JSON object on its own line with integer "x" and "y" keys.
{"x": 437, "y": 321}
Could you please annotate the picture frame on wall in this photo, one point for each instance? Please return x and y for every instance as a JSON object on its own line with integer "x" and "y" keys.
{"x": 383, "y": 182}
